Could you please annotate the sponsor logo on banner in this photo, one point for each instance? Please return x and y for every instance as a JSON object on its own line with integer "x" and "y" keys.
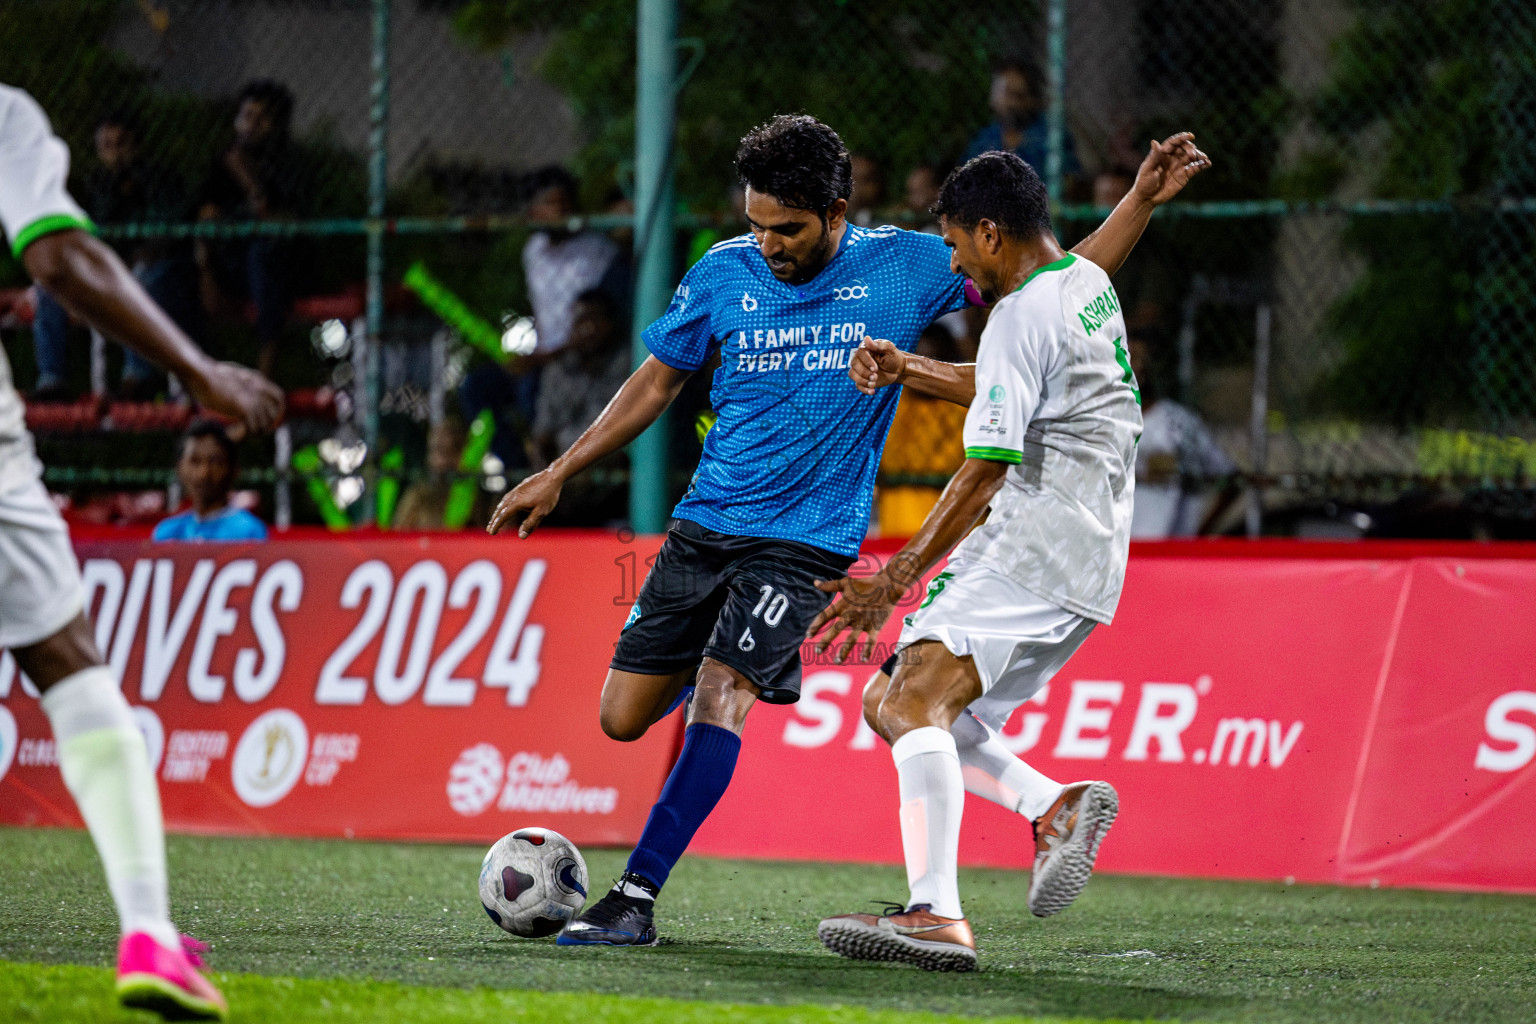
{"x": 7, "y": 740}
{"x": 191, "y": 751}
{"x": 1164, "y": 727}
{"x": 1516, "y": 740}
{"x": 526, "y": 782}
{"x": 153, "y": 733}
{"x": 474, "y": 779}
{"x": 270, "y": 757}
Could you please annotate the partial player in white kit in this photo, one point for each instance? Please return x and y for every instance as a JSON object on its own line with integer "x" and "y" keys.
{"x": 1050, "y": 441}
{"x": 102, "y": 755}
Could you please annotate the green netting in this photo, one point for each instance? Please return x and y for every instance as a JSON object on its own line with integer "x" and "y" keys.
{"x": 1365, "y": 241}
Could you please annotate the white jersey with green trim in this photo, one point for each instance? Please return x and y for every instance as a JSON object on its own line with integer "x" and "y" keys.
{"x": 1055, "y": 398}
{"x": 34, "y": 166}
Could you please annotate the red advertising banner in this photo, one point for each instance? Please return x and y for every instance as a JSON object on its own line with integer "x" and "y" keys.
{"x": 429, "y": 688}
{"x": 1448, "y": 779}
{"x": 1231, "y": 703}
{"x": 1362, "y": 714}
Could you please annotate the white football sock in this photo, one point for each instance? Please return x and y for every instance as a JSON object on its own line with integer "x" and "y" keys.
{"x": 932, "y": 799}
{"x": 993, "y": 773}
{"x": 106, "y": 768}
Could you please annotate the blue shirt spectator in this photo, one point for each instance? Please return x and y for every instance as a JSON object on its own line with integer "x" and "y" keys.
{"x": 226, "y": 524}
{"x": 1020, "y": 127}
{"x": 207, "y": 470}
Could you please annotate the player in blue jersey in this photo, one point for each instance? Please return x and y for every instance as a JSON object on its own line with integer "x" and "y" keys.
{"x": 782, "y": 494}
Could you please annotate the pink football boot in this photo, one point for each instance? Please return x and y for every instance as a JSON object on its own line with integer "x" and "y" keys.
{"x": 166, "y": 981}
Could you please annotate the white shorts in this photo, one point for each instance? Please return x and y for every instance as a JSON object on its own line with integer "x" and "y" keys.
{"x": 1016, "y": 639}
{"x": 40, "y": 589}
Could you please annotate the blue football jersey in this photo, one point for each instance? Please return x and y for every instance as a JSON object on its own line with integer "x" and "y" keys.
{"x": 794, "y": 452}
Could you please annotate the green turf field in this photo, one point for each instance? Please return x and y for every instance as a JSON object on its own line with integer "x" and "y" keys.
{"x": 330, "y": 931}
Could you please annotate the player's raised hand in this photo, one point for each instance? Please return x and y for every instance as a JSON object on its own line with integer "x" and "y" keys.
{"x": 526, "y": 505}
{"x": 860, "y": 608}
{"x": 1168, "y": 167}
{"x": 238, "y": 392}
{"x": 876, "y": 364}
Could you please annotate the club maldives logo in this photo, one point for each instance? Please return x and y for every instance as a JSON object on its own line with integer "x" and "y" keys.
{"x": 525, "y": 781}
{"x": 270, "y": 757}
{"x": 7, "y": 739}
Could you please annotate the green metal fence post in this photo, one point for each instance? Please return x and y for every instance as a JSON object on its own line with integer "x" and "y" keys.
{"x": 1056, "y": 112}
{"x": 656, "y": 68}
{"x": 378, "y": 183}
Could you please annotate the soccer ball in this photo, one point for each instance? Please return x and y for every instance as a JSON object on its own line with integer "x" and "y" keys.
{"x": 532, "y": 882}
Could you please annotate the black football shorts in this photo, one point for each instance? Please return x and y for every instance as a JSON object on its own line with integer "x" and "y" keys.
{"x": 743, "y": 601}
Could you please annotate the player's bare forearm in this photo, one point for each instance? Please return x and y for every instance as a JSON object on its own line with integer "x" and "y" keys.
{"x": 953, "y": 382}
{"x": 877, "y": 363}
{"x": 89, "y": 280}
{"x": 966, "y": 497}
{"x": 638, "y": 404}
{"x": 862, "y": 606}
{"x": 1167, "y": 168}
{"x": 1111, "y": 242}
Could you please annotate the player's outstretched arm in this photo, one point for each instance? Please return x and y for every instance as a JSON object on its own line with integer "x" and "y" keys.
{"x": 639, "y": 403}
{"x": 91, "y": 282}
{"x": 862, "y": 605}
{"x": 1168, "y": 167}
{"x": 878, "y": 363}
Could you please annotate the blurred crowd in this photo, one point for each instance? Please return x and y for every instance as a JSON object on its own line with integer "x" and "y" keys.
{"x": 577, "y": 282}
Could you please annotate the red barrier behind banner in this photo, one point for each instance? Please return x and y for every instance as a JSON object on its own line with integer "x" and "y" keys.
{"x": 430, "y": 688}
{"x": 1354, "y": 715}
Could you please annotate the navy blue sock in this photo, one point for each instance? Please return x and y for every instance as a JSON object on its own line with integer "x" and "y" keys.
{"x": 677, "y": 702}
{"x": 696, "y": 784}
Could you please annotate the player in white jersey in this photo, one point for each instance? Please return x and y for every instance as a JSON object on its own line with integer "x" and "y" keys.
{"x": 1050, "y": 441}
{"x": 102, "y": 755}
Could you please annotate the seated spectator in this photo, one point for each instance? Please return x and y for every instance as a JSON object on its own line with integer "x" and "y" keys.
{"x": 1020, "y": 127}
{"x": 923, "y": 449}
{"x": 424, "y": 505}
{"x": 207, "y": 471}
{"x": 582, "y": 379}
{"x": 1178, "y": 462}
{"x": 122, "y": 189}
{"x": 259, "y": 177}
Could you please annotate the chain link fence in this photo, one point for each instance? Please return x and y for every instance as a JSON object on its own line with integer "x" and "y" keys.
{"x": 1345, "y": 299}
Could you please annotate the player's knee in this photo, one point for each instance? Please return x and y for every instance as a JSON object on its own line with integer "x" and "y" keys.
{"x": 622, "y": 726}
{"x": 721, "y": 698}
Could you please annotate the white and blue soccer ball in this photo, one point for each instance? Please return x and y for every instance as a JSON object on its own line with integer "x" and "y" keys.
{"x": 532, "y": 882}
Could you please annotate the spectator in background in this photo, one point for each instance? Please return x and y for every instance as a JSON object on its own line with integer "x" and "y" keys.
{"x": 561, "y": 264}
{"x": 207, "y": 470}
{"x": 1177, "y": 462}
{"x": 124, "y": 188}
{"x": 921, "y": 192}
{"x": 582, "y": 379}
{"x": 259, "y": 177}
{"x": 923, "y": 449}
{"x": 1020, "y": 127}
{"x": 424, "y": 505}
{"x": 868, "y": 191}
{"x": 1149, "y": 285}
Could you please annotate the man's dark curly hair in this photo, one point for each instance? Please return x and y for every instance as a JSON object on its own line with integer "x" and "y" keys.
{"x": 998, "y": 187}
{"x": 798, "y": 160}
